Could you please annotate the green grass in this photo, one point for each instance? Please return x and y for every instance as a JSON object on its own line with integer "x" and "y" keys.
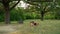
{"x": 44, "y": 27}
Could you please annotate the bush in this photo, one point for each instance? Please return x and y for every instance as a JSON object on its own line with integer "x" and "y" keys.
{"x": 1, "y": 16}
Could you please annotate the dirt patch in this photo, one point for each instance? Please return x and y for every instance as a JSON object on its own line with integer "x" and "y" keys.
{"x": 4, "y": 29}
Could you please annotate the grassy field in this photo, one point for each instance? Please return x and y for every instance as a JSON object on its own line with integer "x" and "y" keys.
{"x": 44, "y": 27}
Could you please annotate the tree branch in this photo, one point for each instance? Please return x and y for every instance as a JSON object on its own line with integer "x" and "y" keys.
{"x": 45, "y": 9}
{"x": 14, "y": 5}
{"x": 0, "y": 1}
{"x": 29, "y": 2}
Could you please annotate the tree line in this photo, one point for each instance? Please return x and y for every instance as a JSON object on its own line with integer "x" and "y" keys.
{"x": 39, "y": 8}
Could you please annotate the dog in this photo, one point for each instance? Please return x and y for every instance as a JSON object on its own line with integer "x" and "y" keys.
{"x": 33, "y": 23}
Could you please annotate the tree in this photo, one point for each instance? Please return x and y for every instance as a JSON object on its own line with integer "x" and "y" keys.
{"x": 44, "y": 7}
{"x": 7, "y": 9}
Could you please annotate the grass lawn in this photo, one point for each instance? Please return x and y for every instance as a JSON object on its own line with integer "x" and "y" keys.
{"x": 44, "y": 27}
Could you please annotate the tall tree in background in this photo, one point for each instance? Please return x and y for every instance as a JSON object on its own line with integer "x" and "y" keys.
{"x": 44, "y": 7}
{"x": 7, "y": 9}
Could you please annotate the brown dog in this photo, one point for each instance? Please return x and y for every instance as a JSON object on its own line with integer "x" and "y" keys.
{"x": 33, "y": 23}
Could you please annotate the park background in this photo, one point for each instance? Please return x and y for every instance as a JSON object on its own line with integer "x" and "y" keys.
{"x": 16, "y": 15}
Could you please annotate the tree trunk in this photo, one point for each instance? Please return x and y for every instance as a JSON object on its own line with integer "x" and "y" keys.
{"x": 20, "y": 21}
{"x": 7, "y": 11}
{"x": 7, "y": 16}
{"x": 42, "y": 15}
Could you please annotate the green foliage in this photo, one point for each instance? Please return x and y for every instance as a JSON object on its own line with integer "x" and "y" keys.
{"x": 57, "y": 16}
{"x": 17, "y": 14}
{"x": 13, "y": 15}
{"x": 33, "y": 12}
{"x": 50, "y": 15}
{"x": 1, "y": 15}
{"x": 20, "y": 13}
